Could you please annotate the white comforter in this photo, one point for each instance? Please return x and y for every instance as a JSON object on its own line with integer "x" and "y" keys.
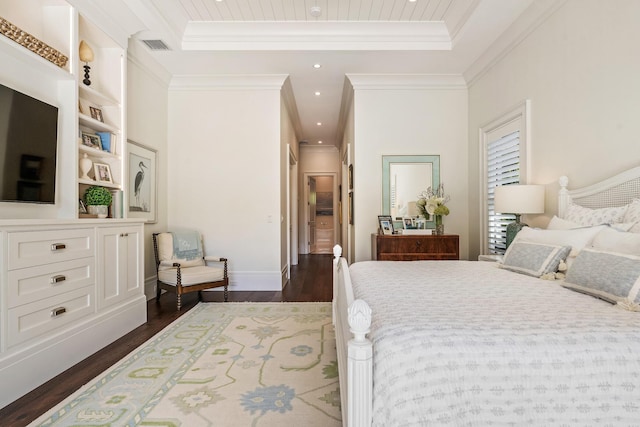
{"x": 461, "y": 343}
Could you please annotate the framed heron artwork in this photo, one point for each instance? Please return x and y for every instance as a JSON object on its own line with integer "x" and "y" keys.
{"x": 142, "y": 181}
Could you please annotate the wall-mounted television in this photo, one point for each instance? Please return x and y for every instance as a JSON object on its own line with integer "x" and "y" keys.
{"x": 28, "y": 148}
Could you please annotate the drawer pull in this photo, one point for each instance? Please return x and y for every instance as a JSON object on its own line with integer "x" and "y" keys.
{"x": 58, "y": 246}
{"x": 58, "y": 311}
{"x": 124, "y": 234}
{"x": 59, "y": 278}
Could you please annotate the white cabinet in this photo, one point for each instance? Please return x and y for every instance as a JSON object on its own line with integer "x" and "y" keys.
{"x": 68, "y": 289}
{"x": 120, "y": 271}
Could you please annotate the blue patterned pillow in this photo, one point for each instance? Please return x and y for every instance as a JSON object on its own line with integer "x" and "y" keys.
{"x": 534, "y": 259}
{"x": 614, "y": 277}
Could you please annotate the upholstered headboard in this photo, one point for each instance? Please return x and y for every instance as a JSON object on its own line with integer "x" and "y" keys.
{"x": 618, "y": 190}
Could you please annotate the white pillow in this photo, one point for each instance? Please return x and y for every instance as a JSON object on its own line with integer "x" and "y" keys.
{"x": 534, "y": 259}
{"x": 612, "y": 240}
{"x": 588, "y": 217}
{"x": 557, "y": 223}
{"x": 613, "y": 277}
{"x": 577, "y": 238}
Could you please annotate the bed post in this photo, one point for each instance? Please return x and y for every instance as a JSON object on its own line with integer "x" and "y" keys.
{"x": 360, "y": 355}
{"x": 337, "y": 253}
{"x": 563, "y": 196}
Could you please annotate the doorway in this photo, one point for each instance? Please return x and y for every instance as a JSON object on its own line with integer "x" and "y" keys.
{"x": 321, "y": 214}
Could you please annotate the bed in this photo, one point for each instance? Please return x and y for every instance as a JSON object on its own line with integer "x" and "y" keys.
{"x": 478, "y": 343}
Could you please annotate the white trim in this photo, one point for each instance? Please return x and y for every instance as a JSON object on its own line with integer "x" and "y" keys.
{"x": 519, "y": 116}
{"x": 406, "y": 81}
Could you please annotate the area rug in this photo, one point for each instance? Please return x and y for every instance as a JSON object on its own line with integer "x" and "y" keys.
{"x": 221, "y": 364}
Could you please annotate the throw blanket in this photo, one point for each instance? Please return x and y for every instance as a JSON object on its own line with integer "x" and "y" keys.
{"x": 187, "y": 245}
{"x": 459, "y": 343}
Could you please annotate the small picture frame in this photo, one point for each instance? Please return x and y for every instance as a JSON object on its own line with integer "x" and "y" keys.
{"x": 102, "y": 172}
{"x": 96, "y": 114}
{"x": 82, "y": 208}
{"x": 350, "y": 178}
{"x": 407, "y": 223}
{"x": 91, "y": 140}
{"x": 386, "y": 224}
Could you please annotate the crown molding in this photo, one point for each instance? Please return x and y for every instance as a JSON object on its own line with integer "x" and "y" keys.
{"x": 406, "y": 81}
{"x": 323, "y": 35}
{"x": 290, "y": 104}
{"x": 527, "y": 23}
{"x": 345, "y": 106}
{"x": 228, "y": 82}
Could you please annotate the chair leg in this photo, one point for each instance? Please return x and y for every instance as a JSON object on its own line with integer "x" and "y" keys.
{"x": 226, "y": 293}
{"x": 179, "y": 301}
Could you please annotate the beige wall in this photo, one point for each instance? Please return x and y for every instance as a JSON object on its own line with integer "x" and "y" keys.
{"x": 225, "y": 171}
{"x": 427, "y": 116}
{"x": 580, "y": 70}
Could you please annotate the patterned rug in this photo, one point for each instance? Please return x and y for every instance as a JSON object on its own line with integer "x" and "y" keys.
{"x": 221, "y": 364}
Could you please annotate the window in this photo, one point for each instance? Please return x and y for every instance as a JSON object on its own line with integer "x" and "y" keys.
{"x": 503, "y": 150}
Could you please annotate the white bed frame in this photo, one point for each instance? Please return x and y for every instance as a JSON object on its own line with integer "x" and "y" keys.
{"x": 352, "y": 318}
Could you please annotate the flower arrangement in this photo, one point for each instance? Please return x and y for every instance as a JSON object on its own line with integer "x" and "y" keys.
{"x": 432, "y": 202}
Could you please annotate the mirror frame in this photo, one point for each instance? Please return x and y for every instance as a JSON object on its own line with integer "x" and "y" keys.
{"x": 387, "y": 161}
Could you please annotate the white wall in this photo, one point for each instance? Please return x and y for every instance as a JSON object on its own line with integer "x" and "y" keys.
{"x": 224, "y": 174}
{"x": 408, "y": 115}
{"x": 580, "y": 70}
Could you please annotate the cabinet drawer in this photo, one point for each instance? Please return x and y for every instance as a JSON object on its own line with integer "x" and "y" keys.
{"x": 32, "y": 320}
{"x": 31, "y": 248}
{"x": 31, "y": 284}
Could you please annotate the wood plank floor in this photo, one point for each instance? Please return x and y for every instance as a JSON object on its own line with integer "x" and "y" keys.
{"x": 311, "y": 281}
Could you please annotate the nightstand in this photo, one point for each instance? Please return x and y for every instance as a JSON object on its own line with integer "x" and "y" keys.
{"x": 414, "y": 247}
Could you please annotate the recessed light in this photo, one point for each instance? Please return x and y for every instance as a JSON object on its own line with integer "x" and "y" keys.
{"x": 316, "y": 66}
{"x": 317, "y": 93}
{"x": 319, "y": 123}
{"x": 319, "y": 142}
{"x": 410, "y": 1}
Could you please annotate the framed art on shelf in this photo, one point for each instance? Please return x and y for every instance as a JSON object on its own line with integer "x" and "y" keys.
{"x": 386, "y": 224}
{"x": 102, "y": 172}
{"x": 142, "y": 162}
{"x": 91, "y": 140}
{"x": 96, "y": 114}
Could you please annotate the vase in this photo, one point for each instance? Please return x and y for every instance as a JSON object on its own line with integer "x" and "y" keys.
{"x": 85, "y": 166}
{"x": 439, "y": 225}
{"x": 100, "y": 210}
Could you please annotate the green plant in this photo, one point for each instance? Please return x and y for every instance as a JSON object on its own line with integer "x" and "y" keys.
{"x": 97, "y": 196}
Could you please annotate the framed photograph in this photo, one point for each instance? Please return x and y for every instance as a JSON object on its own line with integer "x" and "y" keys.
{"x": 407, "y": 223}
{"x": 142, "y": 166}
{"x": 350, "y": 177}
{"x": 96, "y": 114}
{"x": 82, "y": 208}
{"x": 102, "y": 172}
{"x": 91, "y": 140}
{"x": 386, "y": 224}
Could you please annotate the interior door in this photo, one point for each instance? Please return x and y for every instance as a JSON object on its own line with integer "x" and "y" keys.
{"x": 312, "y": 214}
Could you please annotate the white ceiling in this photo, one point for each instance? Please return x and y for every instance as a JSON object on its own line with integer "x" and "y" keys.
{"x": 348, "y": 37}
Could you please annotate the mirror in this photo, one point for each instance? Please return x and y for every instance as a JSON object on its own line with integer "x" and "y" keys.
{"x": 403, "y": 178}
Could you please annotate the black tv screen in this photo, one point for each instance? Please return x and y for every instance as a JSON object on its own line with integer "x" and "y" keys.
{"x": 28, "y": 147}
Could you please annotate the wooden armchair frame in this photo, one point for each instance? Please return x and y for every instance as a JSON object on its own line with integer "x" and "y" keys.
{"x": 178, "y": 288}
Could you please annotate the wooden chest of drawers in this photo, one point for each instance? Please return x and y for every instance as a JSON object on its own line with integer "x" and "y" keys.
{"x": 416, "y": 247}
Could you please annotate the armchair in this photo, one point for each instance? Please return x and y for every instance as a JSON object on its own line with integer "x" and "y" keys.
{"x": 182, "y": 267}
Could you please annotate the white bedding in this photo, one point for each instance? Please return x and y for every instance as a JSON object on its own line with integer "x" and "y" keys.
{"x": 468, "y": 344}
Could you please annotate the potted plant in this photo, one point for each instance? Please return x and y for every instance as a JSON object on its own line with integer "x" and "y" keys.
{"x": 98, "y": 200}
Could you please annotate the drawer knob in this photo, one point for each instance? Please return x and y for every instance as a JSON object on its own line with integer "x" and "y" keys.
{"x": 58, "y": 246}
{"x": 58, "y": 311}
{"x": 59, "y": 278}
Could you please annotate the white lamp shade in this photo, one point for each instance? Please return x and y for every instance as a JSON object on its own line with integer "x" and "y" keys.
{"x": 519, "y": 199}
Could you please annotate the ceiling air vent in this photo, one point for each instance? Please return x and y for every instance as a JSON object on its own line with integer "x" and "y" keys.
{"x": 156, "y": 44}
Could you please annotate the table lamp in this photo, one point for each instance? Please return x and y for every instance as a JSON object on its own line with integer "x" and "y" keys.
{"x": 86, "y": 56}
{"x": 518, "y": 199}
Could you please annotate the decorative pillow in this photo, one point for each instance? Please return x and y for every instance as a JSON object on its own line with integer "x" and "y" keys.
{"x": 612, "y": 240}
{"x": 534, "y": 259}
{"x": 632, "y": 215}
{"x": 587, "y": 217}
{"x": 577, "y": 238}
{"x": 613, "y": 277}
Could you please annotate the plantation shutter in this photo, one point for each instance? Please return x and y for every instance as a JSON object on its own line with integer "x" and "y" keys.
{"x": 503, "y": 168}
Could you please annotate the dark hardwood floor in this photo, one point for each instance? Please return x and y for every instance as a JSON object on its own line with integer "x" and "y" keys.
{"x": 311, "y": 280}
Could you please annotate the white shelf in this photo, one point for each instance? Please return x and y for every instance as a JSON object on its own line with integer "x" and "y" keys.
{"x": 95, "y": 97}
{"x": 100, "y": 183}
{"x": 94, "y": 152}
{"x": 96, "y": 124}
